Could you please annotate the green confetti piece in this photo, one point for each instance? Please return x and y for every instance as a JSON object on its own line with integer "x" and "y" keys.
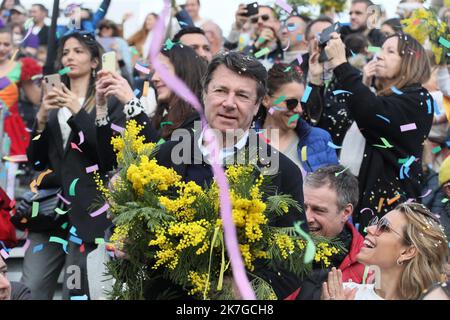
{"x": 166, "y": 123}
{"x": 60, "y": 211}
{"x": 287, "y": 69}
{"x": 366, "y": 273}
{"x": 373, "y": 49}
{"x": 436, "y": 150}
{"x": 169, "y": 44}
{"x": 261, "y": 40}
{"x": 64, "y": 225}
{"x": 161, "y": 141}
{"x": 365, "y": 230}
{"x": 64, "y": 71}
{"x": 386, "y": 144}
{"x": 35, "y": 209}
{"x": 280, "y": 100}
{"x": 134, "y": 51}
{"x": 340, "y": 172}
{"x": 99, "y": 241}
{"x": 444, "y": 42}
{"x": 445, "y": 200}
{"x": 262, "y": 52}
{"x": 295, "y": 117}
{"x": 72, "y": 187}
{"x": 403, "y": 161}
{"x": 310, "y": 251}
{"x": 60, "y": 241}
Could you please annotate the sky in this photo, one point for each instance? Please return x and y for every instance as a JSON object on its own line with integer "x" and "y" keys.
{"x": 220, "y": 11}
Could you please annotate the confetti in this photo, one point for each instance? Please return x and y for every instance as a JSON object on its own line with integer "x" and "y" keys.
{"x": 64, "y": 71}
{"x": 37, "y": 137}
{"x": 408, "y": 127}
{"x": 332, "y": 145}
{"x": 262, "y": 52}
{"x": 287, "y": 69}
{"x": 63, "y": 199}
{"x": 310, "y": 251}
{"x": 72, "y": 187}
{"x": 75, "y": 240}
{"x": 444, "y": 42}
{"x": 142, "y": 69}
{"x": 396, "y": 91}
{"x": 384, "y": 118}
{"x": 74, "y": 146}
{"x": 300, "y": 59}
{"x": 98, "y": 212}
{"x": 41, "y": 176}
{"x": 294, "y": 118}
{"x": 337, "y": 92}
{"x": 261, "y": 40}
{"x": 81, "y": 136}
{"x": 286, "y": 7}
{"x": 280, "y": 100}
{"x": 353, "y": 54}
{"x": 4, "y": 254}
{"x": 92, "y": 168}
{"x": 304, "y": 154}
{"x": 136, "y": 92}
{"x": 426, "y": 194}
{"x": 169, "y": 44}
{"x": 13, "y": 58}
{"x": 60, "y": 241}
{"x": 436, "y": 150}
{"x": 26, "y": 245}
{"x": 99, "y": 241}
{"x": 287, "y": 46}
{"x": 374, "y": 49}
{"x": 84, "y": 297}
{"x": 38, "y": 248}
{"x": 117, "y": 128}
{"x": 60, "y": 211}
{"x": 429, "y": 106}
{"x": 166, "y": 123}
{"x": 35, "y": 209}
{"x": 367, "y": 209}
{"x": 145, "y": 88}
{"x": 380, "y": 205}
{"x": 391, "y": 201}
{"x": 64, "y": 225}
{"x": 82, "y": 248}
{"x": 386, "y": 145}
{"x": 340, "y": 172}
{"x": 161, "y": 141}
{"x": 299, "y": 38}
{"x": 306, "y": 94}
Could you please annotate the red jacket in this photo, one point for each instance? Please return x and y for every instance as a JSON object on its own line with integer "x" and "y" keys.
{"x": 351, "y": 269}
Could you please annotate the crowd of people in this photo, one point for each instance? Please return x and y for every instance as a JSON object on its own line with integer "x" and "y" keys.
{"x": 359, "y": 113}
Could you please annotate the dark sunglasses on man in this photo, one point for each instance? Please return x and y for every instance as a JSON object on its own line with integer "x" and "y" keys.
{"x": 264, "y": 17}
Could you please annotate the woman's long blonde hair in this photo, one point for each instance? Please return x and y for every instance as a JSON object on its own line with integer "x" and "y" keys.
{"x": 428, "y": 265}
{"x": 414, "y": 65}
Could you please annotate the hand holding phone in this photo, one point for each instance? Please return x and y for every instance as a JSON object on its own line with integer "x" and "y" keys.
{"x": 52, "y": 81}
{"x": 109, "y": 61}
{"x": 252, "y": 9}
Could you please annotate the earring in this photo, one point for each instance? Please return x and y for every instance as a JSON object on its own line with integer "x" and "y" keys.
{"x": 94, "y": 73}
{"x": 399, "y": 263}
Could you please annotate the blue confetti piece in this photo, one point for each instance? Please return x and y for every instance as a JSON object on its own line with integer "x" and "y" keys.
{"x": 448, "y": 143}
{"x": 436, "y": 108}
{"x": 36, "y": 163}
{"x": 337, "y": 92}
{"x": 357, "y": 226}
{"x": 429, "y": 106}
{"x": 85, "y": 297}
{"x": 4, "y": 246}
{"x": 73, "y": 231}
{"x": 353, "y": 54}
{"x": 299, "y": 38}
{"x": 306, "y": 94}
{"x": 384, "y": 118}
{"x": 137, "y": 92}
{"x": 410, "y": 161}
{"x": 345, "y": 23}
{"x": 38, "y": 248}
{"x": 332, "y": 145}
{"x": 182, "y": 24}
{"x": 396, "y": 91}
{"x": 75, "y": 240}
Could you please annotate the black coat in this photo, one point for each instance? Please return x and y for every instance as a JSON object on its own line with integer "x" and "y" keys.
{"x": 379, "y": 176}
{"x": 68, "y": 164}
{"x": 287, "y": 181}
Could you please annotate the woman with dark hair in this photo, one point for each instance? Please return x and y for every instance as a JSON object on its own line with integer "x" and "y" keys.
{"x": 383, "y": 148}
{"x": 67, "y": 145}
{"x": 171, "y": 110}
{"x": 281, "y": 110}
{"x": 390, "y": 27}
{"x": 5, "y": 10}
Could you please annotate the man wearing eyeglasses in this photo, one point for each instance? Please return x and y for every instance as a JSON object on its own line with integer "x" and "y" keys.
{"x": 359, "y": 17}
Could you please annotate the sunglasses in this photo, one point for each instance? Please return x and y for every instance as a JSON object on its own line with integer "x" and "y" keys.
{"x": 383, "y": 225}
{"x": 264, "y": 17}
{"x": 291, "y": 104}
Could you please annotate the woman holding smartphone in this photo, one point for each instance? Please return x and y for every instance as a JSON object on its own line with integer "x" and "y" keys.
{"x": 67, "y": 145}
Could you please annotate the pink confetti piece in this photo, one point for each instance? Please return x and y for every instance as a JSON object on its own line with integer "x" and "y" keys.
{"x": 64, "y": 199}
{"x": 299, "y": 59}
{"x": 286, "y": 7}
{"x": 367, "y": 209}
{"x": 117, "y": 128}
{"x": 92, "y": 168}
{"x": 408, "y": 127}
{"x": 81, "y": 135}
{"x": 74, "y": 146}
{"x": 26, "y": 245}
{"x": 288, "y": 45}
{"x": 142, "y": 69}
{"x": 4, "y": 254}
{"x": 180, "y": 88}
{"x": 271, "y": 111}
{"x": 426, "y": 193}
{"x": 99, "y": 211}
{"x": 30, "y": 30}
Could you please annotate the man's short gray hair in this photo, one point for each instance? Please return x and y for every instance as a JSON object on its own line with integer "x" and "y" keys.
{"x": 337, "y": 178}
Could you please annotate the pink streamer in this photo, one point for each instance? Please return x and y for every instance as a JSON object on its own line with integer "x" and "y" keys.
{"x": 92, "y": 168}
{"x": 63, "y": 199}
{"x": 81, "y": 135}
{"x": 426, "y": 194}
{"x": 74, "y": 146}
{"x": 4, "y": 254}
{"x": 300, "y": 59}
{"x": 180, "y": 88}
{"x": 284, "y": 6}
{"x": 26, "y": 245}
{"x": 117, "y": 128}
{"x": 100, "y": 211}
{"x": 288, "y": 45}
{"x": 142, "y": 69}
{"x": 367, "y": 209}
{"x": 30, "y": 30}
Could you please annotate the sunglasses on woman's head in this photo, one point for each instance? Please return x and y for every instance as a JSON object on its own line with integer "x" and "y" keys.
{"x": 264, "y": 17}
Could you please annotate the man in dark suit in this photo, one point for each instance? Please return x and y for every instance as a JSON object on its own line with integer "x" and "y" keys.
{"x": 39, "y": 12}
{"x": 234, "y": 86}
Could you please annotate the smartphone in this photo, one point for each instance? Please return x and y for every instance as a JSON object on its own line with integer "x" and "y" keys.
{"x": 109, "y": 61}
{"x": 325, "y": 36}
{"x": 252, "y": 9}
{"x": 52, "y": 81}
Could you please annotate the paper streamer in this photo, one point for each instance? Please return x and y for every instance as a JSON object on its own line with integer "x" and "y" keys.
{"x": 294, "y": 118}
{"x": 84, "y": 297}
{"x": 304, "y": 154}
{"x": 64, "y": 71}
{"x": 92, "y": 168}
{"x": 75, "y": 240}
{"x": 338, "y": 92}
{"x": 26, "y": 245}
{"x": 37, "y": 137}
{"x": 60, "y": 211}
{"x": 373, "y": 49}
{"x": 142, "y": 69}
{"x": 286, "y": 7}
{"x": 74, "y": 146}
{"x": 41, "y": 176}
{"x": 117, "y": 128}
{"x": 332, "y": 145}
{"x": 280, "y": 100}
{"x": 341, "y": 172}
{"x": 396, "y": 91}
{"x": 444, "y": 42}
{"x": 426, "y": 194}
{"x": 262, "y": 52}
{"x": 30, "y": 30}
{"x": 386, "y": 144}
{"x": 35, "y": 209}
{"x": 166, "y": 123}
{"x": 408, "y": 127}
{"x": 60, "y": 241}
{"x": 306, "y": 94}
{"x": 180, "y": 88}
{"x": 63, "y": 199}
{"x": 4, "y": 254}
{"x": 395, "y": 199}
{"x": 367, "y": 209}
{"x": 81, "y": 136}
{"x": 300, "y": 59}
{"x": 429, "y": 106}
{"x": 288, "y": 45}
{"x": 38, "y": 248}
{"x": 72, "y": 187}
{"x": 99, "y": 211}
{"x": 310, "y": 251}
{"x": 383, "y": 118}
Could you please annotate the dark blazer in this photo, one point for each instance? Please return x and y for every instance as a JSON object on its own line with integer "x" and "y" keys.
{"x": 69, "y": 164}
{"x": 288, "y": 180}
{"x": 379, "y": 176}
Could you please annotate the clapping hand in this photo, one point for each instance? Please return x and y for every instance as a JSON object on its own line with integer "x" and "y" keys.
{"x": 334, "y": 289}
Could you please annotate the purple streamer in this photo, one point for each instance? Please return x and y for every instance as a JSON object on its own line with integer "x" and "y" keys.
{"x": 180, "y": 88}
